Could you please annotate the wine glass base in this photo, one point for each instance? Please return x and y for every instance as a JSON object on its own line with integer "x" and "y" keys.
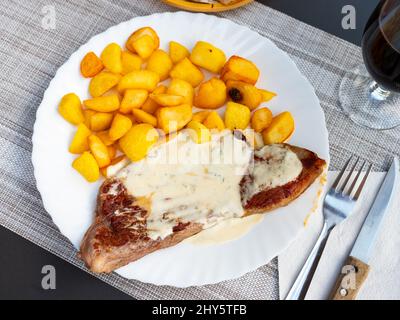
{"x": 366, "y": 104}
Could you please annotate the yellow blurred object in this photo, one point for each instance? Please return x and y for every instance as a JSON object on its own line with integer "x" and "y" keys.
{"x": 244, "y": 93}
{"x": 87, "y": 166}
{"x": 87, "y": 113}
{"x": 91, "y": 65}
{"x": 133, "y": 99}
{"x": 144, "y": 117}
{"x": 186, "y": 70}
{"x": 143, "y": 42}
{"x": 112, "y": 151}
{"x": 111, "y": 57}
{"x": 206, "y": 7}
{"x": 101, "y": 121}
{"x": 240, "y": 69}
{"x": 237, "y": 116}
{"x": 171, "y": 119}
{"x": 261, "y": 119}
{"x": 130, "y": 62}
{"x": 211, "y": 94}
{"x": 119, "y": 126}
{"x": 280, "y": 129}
{"x": 79, "y": 142}
{"x": 103, "y": 104}
{"x": 167, "y": 100}
{"x": 103, "y": 82}
{"x": 99, "y": 151}
{"x": 105, "y": 137}
{"x": 267, "y": 95}
{"x": 200, "y": 116}
{"x": 214, "y": 121}
{"x": 160, "y": 62}
{"x": 199, "y": 132}
{"x": 207, "y": 56}
{"x": 140, "y": 79}
{"x": 177, "y": 52}
{"x": 70, "y": 109}
{"x": 182, "y": 88}
{"x": 150, "y": 106}
{"x": 138, "y": 140}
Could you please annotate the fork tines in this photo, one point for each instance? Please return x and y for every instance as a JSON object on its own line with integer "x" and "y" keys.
{"x": 341, "y": 187}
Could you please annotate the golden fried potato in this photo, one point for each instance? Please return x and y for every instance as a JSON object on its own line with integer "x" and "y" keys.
{"x": 79, "y": 142}
{"x": 103, "y": 104}
{"x": 101, "y": 121}
{"x": 144, "y": 117}
{"x": 105, "y": 137}
{"x": 199, "y": 132}
{"x": 177, "y": 52}
{"x": 111, "y": 57}
{"x": 103, "y": 82}
{"x": 214, "y": 121}
{"x": 150, "y": 106}
{"x": 240, "y": 69}
{"x": 87, "y": 113}
{"x": 244, "y": 93}
{"x": 171, "y": 119}
{"x": 211, "y": 94}
{"x": 133, "y": 99}
{"x": 87, "y": 166}
{"x": 138, "y": 140}
{"x": 261, "y": 119}
{"x": 99, "y": 151}
{"x": 207, "y": 56}
{"x": 280, "y": 129}
{"x": 70, "y": 109}
{"x": 181, "y": 88}
{"x": 237, "y": 116}
{"x": 120, "y": 125}
{"x": 267, "y": 95}
{"x": 143, "y": 42}
{"x": 186, "y": 70}
{"x": 130, "y": 62}
{"x": 160, "y": 62}
{"x": 167, "y": 100}
{"x": 141, "y": 79}
{"x": 200, "y": 116}
{"x": 91, "y": 65}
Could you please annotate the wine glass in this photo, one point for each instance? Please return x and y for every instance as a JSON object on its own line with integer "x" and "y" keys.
{"x": 370, "y": 94}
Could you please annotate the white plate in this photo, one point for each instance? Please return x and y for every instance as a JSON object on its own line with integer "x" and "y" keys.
{"x": 71, "y": 201}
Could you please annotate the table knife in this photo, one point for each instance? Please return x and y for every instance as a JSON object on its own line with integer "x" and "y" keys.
{"x": 355, "y": 270}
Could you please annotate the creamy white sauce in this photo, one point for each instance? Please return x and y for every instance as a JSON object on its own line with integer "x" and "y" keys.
{"x": 190, "y": 182}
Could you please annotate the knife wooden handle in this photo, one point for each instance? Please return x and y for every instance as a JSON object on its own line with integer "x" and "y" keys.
{"x": 352, "y": 276}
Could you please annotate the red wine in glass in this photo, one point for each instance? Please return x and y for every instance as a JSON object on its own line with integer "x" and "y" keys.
{"x": 381, "y": 46}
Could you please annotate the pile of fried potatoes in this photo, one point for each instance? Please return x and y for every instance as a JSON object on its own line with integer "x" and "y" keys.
{"x": 131, "y": 107}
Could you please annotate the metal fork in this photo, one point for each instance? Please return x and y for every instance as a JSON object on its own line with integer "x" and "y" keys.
{"x": 339, "y": 203}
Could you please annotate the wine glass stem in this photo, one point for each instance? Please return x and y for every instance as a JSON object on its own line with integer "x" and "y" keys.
{"x": 377, "y": 92}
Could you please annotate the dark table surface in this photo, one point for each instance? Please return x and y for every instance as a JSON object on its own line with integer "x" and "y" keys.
{"x": 21, "y": 261}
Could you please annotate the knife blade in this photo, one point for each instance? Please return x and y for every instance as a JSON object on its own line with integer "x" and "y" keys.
{"x": 366, "y": 238}
{"x": 355, "y": 270}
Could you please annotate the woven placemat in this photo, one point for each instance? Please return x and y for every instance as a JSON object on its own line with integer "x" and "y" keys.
{"x": 31, "y": 55}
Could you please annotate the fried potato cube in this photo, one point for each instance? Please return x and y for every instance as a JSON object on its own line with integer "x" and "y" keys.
{"x": 79, "y": 142}
{"x": 91, "y": 65}
{"x": 105, "y": 137}
{"x": 267, "y": 95}
{"x": 240, "y": 69}
{"x": 144, "y": 117}
{"x": 103, "y": 104}
{"x": 115, "y": 166}
{"x": 177, "y": 52}
{"x": 101, "y": 121}
{"x": 143, "y": 42}
{"x": 99, "y": 151}
{"x": 70, "y": 109}
{"x": 244, "y": 93}
{"x": 237, "y": 116}
{"x": 138, "y": 140}
{"x": 211, "y": 94}
{"x": 280, "y": 129}
{"x": 186, "y": 70}
{"x": 181, "y": 88}
{"x": 141, "y": 79}
{"x": 103, "y": 82}
{"x": 112, "y": 152}
{"x": 214, "y": 121}
{"x": 160, "y": 62}
{"x": 261, "y": 119}
{"x": 207, "y": 56}
{"x": 130, "y": 62}
{"x": 199, "y": 132}
{"x": 133, "y": 99}
{"x": 87, "y": 166}
{"x": 167, "y": 100}
{"x": 111, "y": 57}
{"x": 171, "y": 119}
{"x": 88, "y": 114}
{"x": 150, "y": 106}
{"x": 120, "y": 125}
{"x": 200, "y": 116}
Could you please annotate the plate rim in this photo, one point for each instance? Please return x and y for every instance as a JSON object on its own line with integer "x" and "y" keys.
{"x": 40, "y": 112}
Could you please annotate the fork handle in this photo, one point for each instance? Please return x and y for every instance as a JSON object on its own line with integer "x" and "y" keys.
{"x": 303, "y": 280}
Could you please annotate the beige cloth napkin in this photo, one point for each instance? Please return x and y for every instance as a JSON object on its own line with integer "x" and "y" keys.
{"x": 383, "y": 281}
